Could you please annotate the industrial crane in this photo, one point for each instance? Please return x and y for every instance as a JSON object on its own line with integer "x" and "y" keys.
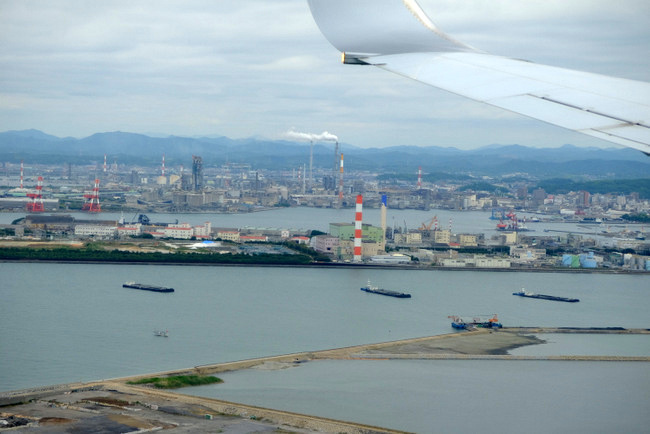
{"x": 425, "y": 227}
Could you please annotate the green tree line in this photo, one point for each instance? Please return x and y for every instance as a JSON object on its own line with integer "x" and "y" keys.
{"x": 93, "y": 255}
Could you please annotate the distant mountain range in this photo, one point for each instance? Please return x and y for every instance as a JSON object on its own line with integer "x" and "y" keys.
{"x": 37, "y": 147}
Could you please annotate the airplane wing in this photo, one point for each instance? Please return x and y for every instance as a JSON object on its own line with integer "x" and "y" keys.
{"x": 396, "y": 35}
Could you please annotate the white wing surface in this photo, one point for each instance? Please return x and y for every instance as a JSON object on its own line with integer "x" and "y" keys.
{"x": 397, "y": 35}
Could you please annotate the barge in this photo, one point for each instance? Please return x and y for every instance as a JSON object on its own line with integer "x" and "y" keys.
{"x": 477, "y": 322}
{"x": 145, "y": 287}
{"x": 374, "y": 290}
{"x": 524, "y": 293}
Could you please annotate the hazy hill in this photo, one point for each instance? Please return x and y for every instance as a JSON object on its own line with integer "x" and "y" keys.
{"x": 38, "y": 147}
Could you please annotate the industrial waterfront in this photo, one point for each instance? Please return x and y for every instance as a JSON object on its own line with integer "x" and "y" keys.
{"x": 67, "y": 322}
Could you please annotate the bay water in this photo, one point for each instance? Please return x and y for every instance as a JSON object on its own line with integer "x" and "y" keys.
{"x": 70, "y": 322}
{"x": 75, "y": 322}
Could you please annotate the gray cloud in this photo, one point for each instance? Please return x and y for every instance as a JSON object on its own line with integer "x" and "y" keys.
{"x": 258, "y": 68}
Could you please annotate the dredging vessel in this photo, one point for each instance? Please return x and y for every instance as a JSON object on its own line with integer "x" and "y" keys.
{"x": 524, "y": 293}
{"x": 147, "y": 287}
{"x": 489, "y": 323}
{"x": 375, "y": 290}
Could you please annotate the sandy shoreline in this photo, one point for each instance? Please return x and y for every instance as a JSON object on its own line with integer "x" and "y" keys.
{"x": 115, "y": 406}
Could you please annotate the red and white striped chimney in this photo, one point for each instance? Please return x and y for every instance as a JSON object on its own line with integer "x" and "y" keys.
{"x": 21, "y": 173}
{"x": 419, "y": 177}
{"x": 358, "y": 219}
{"x": 104, "y": 163}
{"x": 163, "y": 165}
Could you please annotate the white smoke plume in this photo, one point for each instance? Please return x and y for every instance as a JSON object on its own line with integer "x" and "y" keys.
{"x": 322, "y": 137}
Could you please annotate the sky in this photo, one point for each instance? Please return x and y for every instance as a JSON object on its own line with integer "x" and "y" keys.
{"x": 259, "y": 68}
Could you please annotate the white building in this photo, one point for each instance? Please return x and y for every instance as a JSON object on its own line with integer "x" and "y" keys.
{"x": 397, "y": 258}
{"x": 129, "y": 230}
{"x": 183, "y": 231}
{"x": 229, "y": 235}
{"x": 102, "y": 231}
{"x": 203, "y": 231}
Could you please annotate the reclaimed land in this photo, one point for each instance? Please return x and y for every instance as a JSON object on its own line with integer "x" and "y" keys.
{"x": 118, "y": 405}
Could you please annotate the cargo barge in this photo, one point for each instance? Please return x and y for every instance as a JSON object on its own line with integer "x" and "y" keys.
{"x": 524, "y": 293}
{"x": 374, "y": 290}
{"x": 147, "y": 287}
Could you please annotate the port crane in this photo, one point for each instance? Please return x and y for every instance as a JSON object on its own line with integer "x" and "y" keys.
{"x": 425, "y": 227}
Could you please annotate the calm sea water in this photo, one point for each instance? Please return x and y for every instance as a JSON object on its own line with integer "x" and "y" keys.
{"x": 446, "y": 396}
{"x": 69, "y": 322}
{"x": 319, "y": 219}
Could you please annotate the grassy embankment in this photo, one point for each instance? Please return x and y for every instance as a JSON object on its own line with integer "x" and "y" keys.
{"x": 176, "y": 381}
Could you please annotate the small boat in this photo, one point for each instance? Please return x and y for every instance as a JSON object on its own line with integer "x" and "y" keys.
{"x": 524, "y": 293}
{"x": 147, "y": 287}
{"x": 161, "y": 333}
{"x": 375, "y": 290}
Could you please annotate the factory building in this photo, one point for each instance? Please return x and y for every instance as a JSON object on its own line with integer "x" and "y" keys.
{"x": 408, "y": 238}
{"x": 467, "y": 240}
{"x": 527, "y": 253}
{"x": 369, "y": 249}
{"x": 393, "y": 259}
{"x": 345, "y": 231}
{"x": 325, "y": 244}
{"x": 442, "y": 237}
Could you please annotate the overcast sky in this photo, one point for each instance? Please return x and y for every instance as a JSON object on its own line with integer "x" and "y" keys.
{"x": 259, "y": 68}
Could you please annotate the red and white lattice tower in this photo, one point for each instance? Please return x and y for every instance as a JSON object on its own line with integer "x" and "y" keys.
{"x": 104, "y": 163}
{"x": 435, "y": 222}
{"x": 92, "y": 200}
{"x": 358, "y": 222}
{"x": 36, "y": 205}
{"x": 21, "y": 173}
{"x": 163, "y": 165}
{"x": 341, "y": 181}
{"x": 419, "y": 177}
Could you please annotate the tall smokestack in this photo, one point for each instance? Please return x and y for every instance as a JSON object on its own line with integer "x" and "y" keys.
{"x": 311, "y": 164}
{"x": 336, "y": 160}
{"x": 163, "y": 165}
{"x": 383, "y": 220}
{"x": 104, "y": 163}
{"x": 358, "y": 221}
{"x": 21, "y": 173}
{"x": 419, "y": 177}
{"x": 341, "y": 182}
